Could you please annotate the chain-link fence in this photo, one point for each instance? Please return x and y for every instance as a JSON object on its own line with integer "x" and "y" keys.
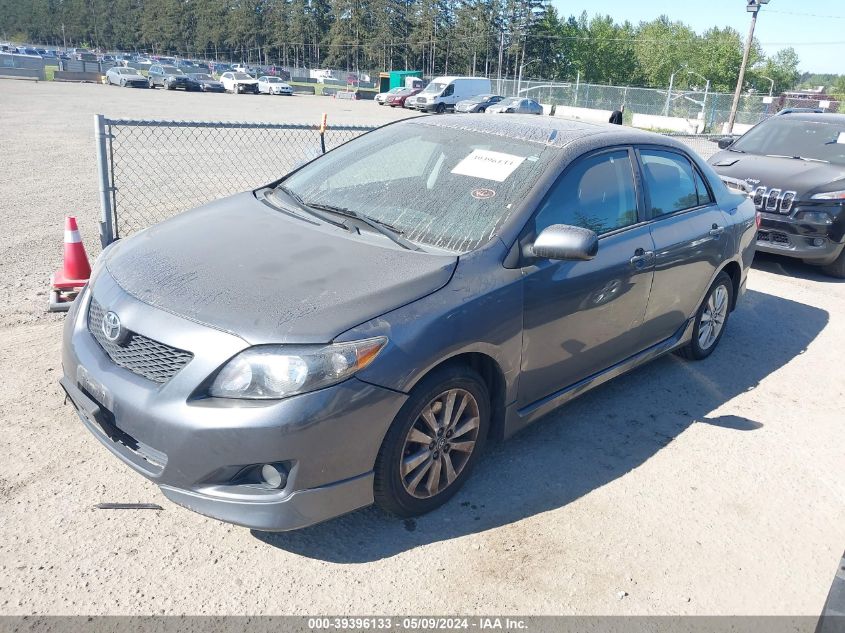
{"x": 152, "y": 170}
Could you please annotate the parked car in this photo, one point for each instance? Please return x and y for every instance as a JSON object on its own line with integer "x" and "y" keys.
{"x": 516, "y": 105}
{"x": 273, "y": 86}
{"x": 479, "y": 103}
{"x": 444, "y": 92}
{"x": 26, "y": 50}
{"x": 126, "y": 77}
{"x": 239, "y": 82}
{"x": 398, "y": 99}
{"x": 373, "y": 341}
{"x": 381, "y": 97}
{"x": 246, "y": 68}
{"x": 170, "y": 78}
{"x": 206, "y": 82}
{"x": 795, "y": 166}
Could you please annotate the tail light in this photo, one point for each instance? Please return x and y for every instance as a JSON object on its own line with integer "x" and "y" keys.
{"x": 758, "y": 218}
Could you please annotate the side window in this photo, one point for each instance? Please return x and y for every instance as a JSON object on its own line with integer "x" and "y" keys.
{"x": 450, "y": 90}
{"x": 670, "y": 181}
{"x": 595, "y": 193}
{"x": 704, "y": 196}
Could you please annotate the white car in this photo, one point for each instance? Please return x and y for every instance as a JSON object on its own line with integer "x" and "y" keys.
{"x": 273, "y": 86}
{"x": 125, "y": 76}
{"x": 237, "y": 82}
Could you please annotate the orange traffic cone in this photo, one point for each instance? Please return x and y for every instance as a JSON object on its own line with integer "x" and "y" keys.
{"x": 66, "y": 283}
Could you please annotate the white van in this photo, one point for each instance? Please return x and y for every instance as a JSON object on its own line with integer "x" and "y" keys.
{"x": 444, "y": 92}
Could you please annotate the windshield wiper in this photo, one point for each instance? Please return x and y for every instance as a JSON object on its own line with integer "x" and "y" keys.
{"x": 738, "y": 151}
{"x": 300, "y": 204}
{"x": 390, "y": 232}
{"x": 815, "y": 160}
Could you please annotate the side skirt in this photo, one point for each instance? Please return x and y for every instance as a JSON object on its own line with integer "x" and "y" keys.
{"x": 517, "y": 419}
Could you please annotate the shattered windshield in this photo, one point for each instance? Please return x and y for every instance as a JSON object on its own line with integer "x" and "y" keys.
{"x": 441, "y": 187}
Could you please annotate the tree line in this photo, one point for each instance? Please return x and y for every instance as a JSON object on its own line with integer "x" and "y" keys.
{"x": 435, "y": 36}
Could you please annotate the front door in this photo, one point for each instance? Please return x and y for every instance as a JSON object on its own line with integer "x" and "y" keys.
{"x": 582, "y": 317}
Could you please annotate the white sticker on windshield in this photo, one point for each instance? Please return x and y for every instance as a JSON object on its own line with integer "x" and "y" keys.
{"x": 841, "y": 138}
{"x": 482, "y": 163}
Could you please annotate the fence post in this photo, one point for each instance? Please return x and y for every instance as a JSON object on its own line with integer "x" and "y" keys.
{"x": 106, "y": 218}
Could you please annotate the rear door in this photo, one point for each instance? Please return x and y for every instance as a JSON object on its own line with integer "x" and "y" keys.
{"x": 690, "y": 238}
{"x": 581, "y": 317}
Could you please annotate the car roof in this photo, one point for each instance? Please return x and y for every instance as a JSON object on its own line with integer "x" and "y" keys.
{"x": 547, "y": 130}
{"x": 824, "y": 117}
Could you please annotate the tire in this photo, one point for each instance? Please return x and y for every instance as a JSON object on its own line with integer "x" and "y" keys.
{"x": 166, "y": 85}
{"x": 122, "y": 83}
{"x": 427, "y": 484}
{"x": 837, "y": 267}
{"x": 152, "y": 83}
{"x": 719, "y": 300}
{"x": 440, "y": 109}
{"x": 481, "y": 110}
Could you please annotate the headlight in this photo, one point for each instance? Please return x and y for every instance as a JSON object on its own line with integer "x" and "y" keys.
{"x": 829, "y": 195}
{"x": 815, "y": 217}
{"x": 269, "y": 372}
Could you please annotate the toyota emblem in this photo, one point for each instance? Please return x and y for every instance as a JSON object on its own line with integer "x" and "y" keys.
{"x": 111, "y": 327}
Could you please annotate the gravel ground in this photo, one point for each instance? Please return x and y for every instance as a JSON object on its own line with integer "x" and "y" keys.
{"x": 694, "y": 488}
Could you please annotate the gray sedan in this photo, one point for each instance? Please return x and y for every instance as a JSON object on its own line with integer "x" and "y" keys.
{"x": 356, "y": 331}
{"x": 516, "y": 105}
{"x": 126, "y": 77}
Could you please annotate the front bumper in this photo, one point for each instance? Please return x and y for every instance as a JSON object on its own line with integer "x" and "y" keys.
{"x": 196, "y": 448}
{"x": 787, "y": 235}
{"x": 253, "y": 88}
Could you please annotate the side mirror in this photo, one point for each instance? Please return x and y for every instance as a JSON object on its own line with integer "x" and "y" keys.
{"x": 725, "y": 142}
{"x": 561, "y": 241}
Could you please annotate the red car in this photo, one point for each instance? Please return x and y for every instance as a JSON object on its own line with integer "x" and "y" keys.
{"x": 398, "y": 100}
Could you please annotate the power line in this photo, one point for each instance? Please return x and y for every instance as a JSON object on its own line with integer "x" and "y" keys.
{"x": 808, "y": 15}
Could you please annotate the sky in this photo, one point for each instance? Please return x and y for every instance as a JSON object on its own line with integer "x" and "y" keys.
{"x": 814, "y": 28}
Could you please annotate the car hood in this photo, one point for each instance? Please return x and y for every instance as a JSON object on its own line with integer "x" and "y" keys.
{"x": 788, "y": 174}
{"x": 241, "y": 266}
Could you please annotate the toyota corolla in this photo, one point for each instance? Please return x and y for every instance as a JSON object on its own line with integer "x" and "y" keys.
{"x": 356, "y": 331}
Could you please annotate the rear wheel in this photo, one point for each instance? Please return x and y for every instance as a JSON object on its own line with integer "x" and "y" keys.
{"x": 433, "y": 443}
{"x": 710, "y": 320}
{"x": 837, "y": 268}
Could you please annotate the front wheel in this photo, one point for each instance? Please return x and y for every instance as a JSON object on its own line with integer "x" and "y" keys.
{"x": 151, "y": 83}
{"x": 433, "y": 443}
{"x": 710, "y": 320}
{"x": 440, "y": 109}
{"x": 482, "y": 110}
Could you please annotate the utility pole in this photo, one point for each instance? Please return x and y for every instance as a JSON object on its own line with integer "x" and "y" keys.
{"x": 753, "y": 7}
{"x": 501, "y": 50}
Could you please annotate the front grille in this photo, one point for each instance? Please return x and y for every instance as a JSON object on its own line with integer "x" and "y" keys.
{"x": 141, "y": 355}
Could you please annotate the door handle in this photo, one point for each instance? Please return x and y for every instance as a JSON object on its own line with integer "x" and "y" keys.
{"x": 641, "y": 256}
{"x": 717, "y": 230}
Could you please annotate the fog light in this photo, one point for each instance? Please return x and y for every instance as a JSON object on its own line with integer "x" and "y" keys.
{"x": 274, "y": 475}
{"x": 818, "y": 241}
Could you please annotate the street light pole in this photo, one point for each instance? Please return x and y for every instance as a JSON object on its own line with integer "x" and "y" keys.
{"x": 706, "y": 91}
{"x": 771, "y": 83}
{"x": 753, "y": 7}
{"x": 519, "y": 80}
{"x": 669, "y": 94}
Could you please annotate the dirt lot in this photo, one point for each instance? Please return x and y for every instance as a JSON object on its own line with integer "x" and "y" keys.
{"x": 695, "y": 488}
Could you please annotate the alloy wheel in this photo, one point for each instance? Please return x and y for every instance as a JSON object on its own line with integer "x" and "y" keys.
{"x": 713, "y": 317}
{"x": 439, "y": 443}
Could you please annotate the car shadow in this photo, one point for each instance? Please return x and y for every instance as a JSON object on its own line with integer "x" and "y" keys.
{"x": 586, "y": 444}
{"x": 791, "y": 267}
